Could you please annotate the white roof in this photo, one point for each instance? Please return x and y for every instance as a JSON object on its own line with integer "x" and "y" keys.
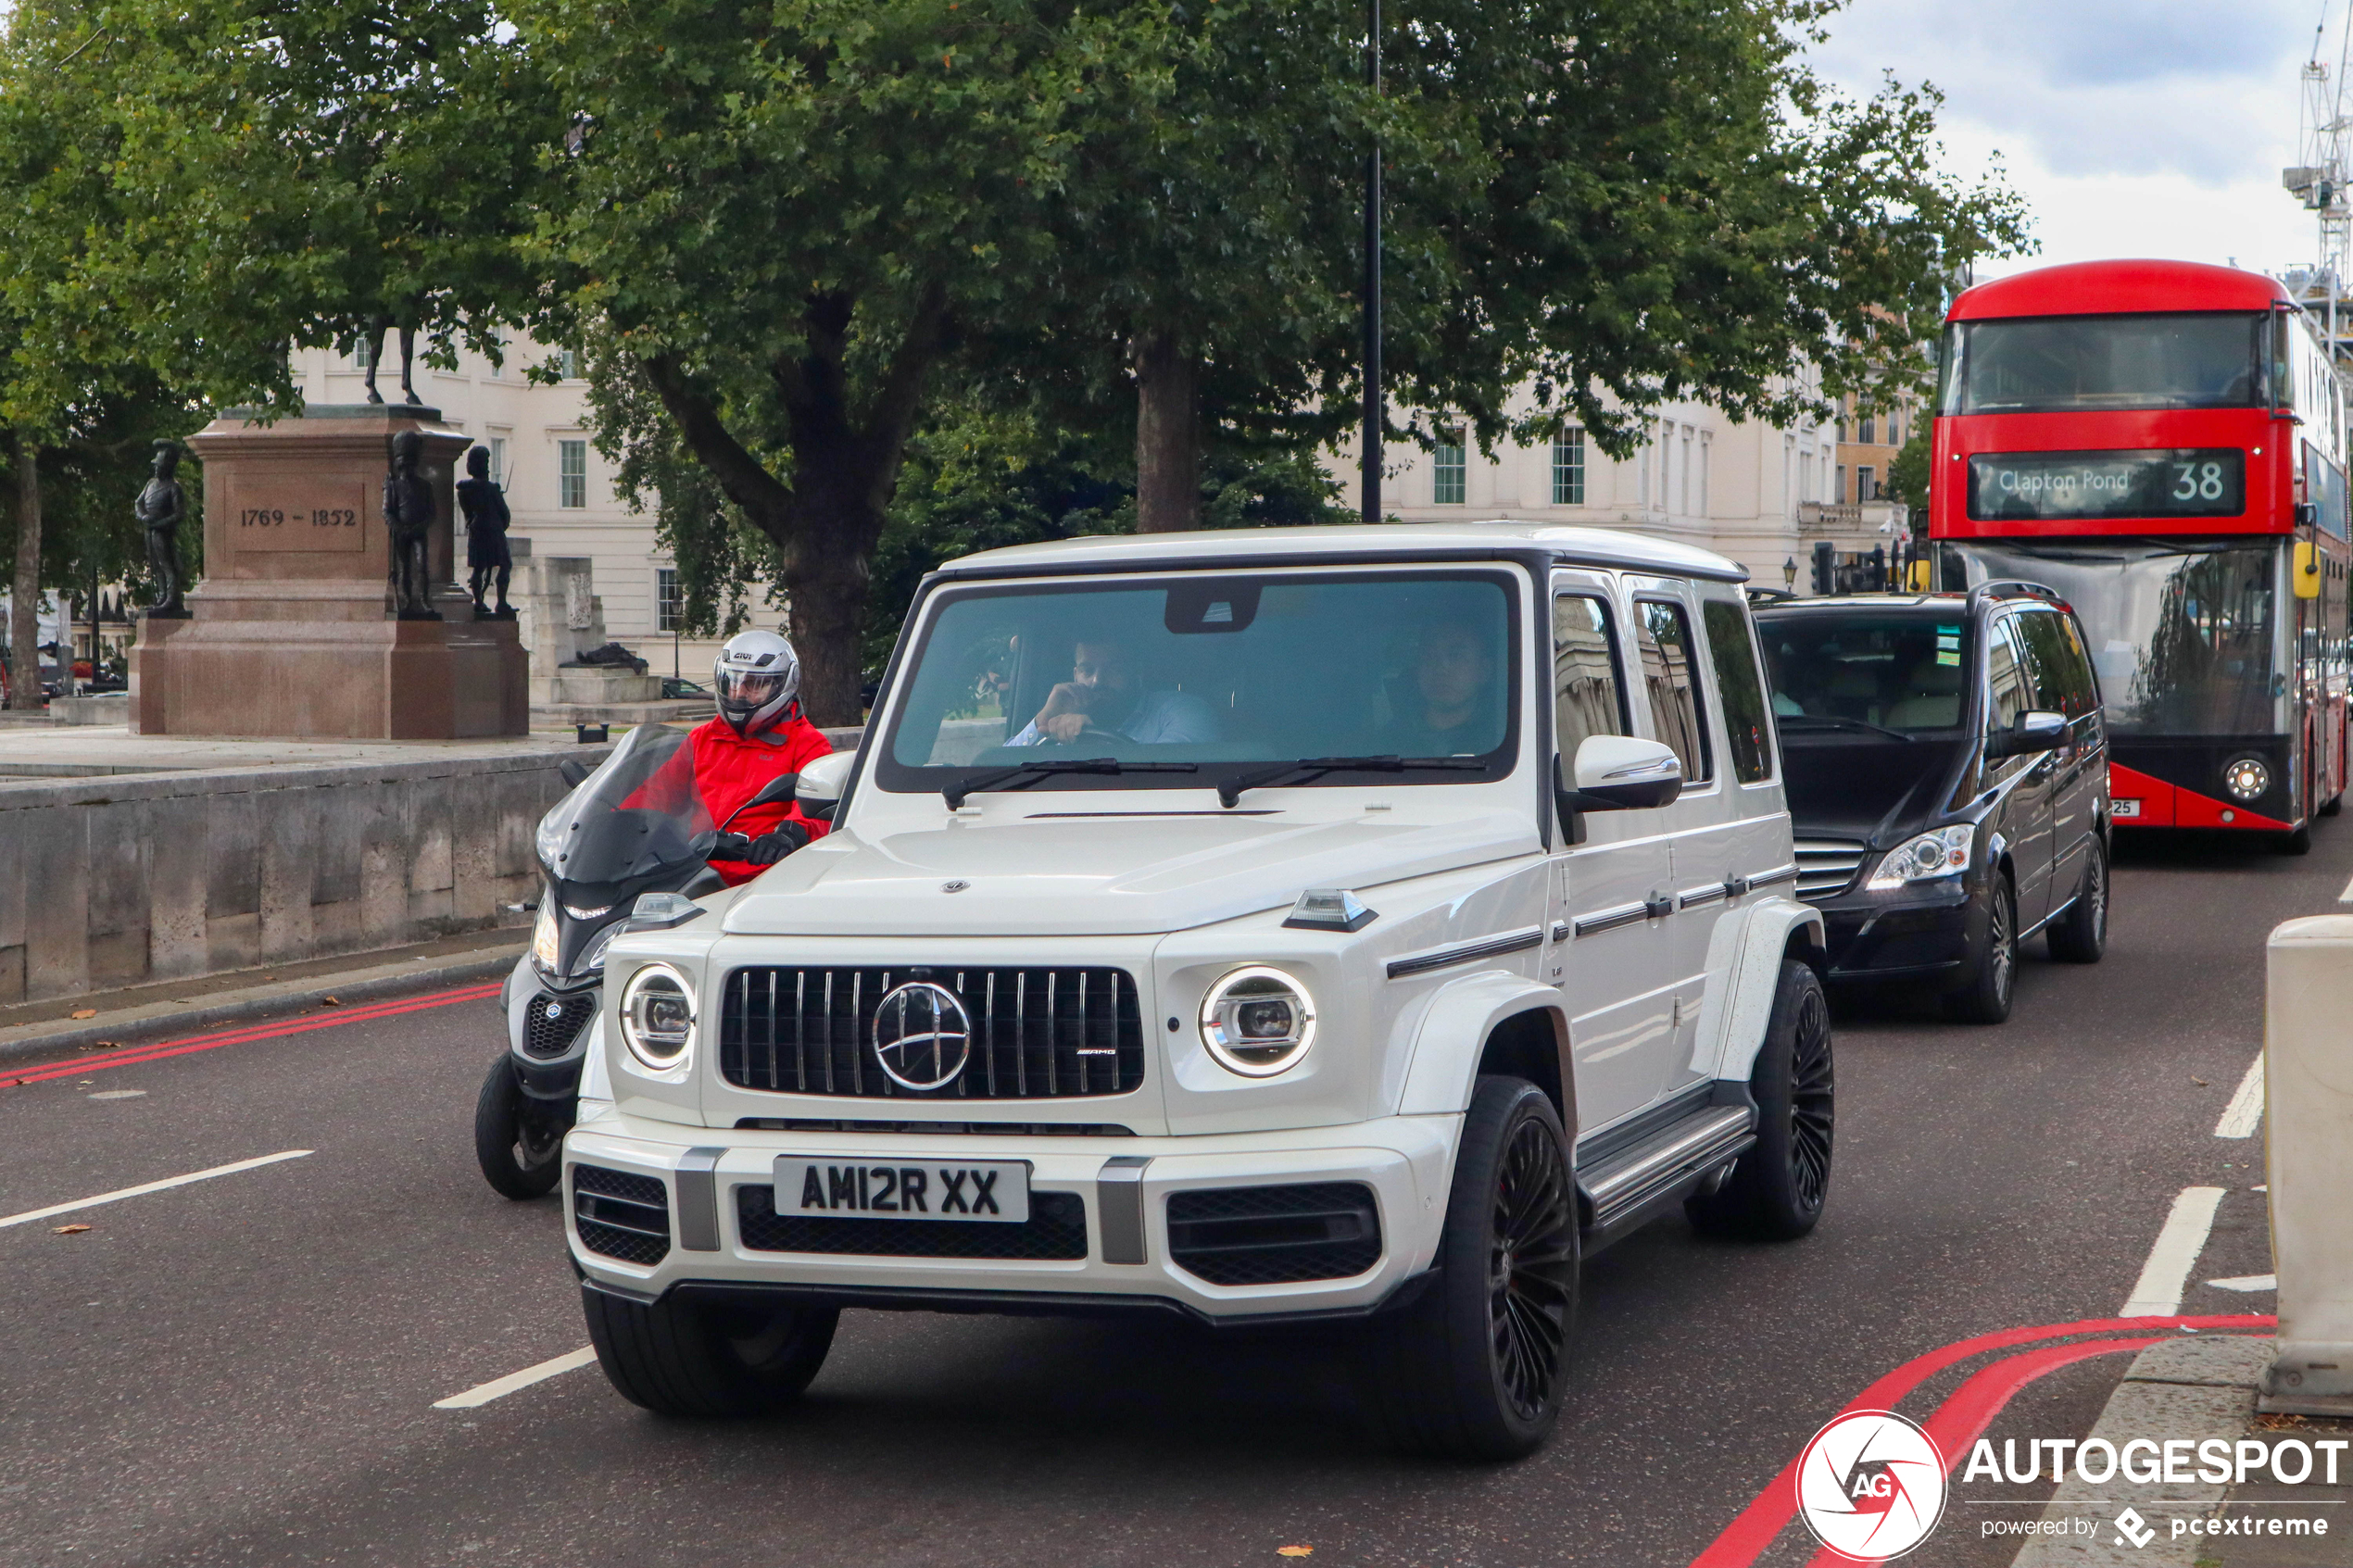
{"x": 1230, "y": 547}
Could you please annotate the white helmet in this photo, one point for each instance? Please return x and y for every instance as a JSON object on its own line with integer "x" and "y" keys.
{"x": 757, "y": 677}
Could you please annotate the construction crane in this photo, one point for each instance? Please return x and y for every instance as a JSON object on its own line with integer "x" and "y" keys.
{"x": 2319, "y": 181}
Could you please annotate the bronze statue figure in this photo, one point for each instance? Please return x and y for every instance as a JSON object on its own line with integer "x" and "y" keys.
{"x": 375, "y": 341}
{"x": 486, "y": 520}
{"x": 409, "y": 516}
{"x": 161, "y": 508}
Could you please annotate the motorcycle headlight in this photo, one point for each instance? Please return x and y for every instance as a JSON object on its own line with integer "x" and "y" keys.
{"x": 2247, "y": 779}
{"x": 1258, "y": 1021}
{"x": 543, "y": 939}
{"x": 657, "y": 1016}
{"x": 1931, "y": 855}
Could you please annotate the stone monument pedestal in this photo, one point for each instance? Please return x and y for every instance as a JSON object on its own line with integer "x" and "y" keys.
{"x": 292, "y": 632}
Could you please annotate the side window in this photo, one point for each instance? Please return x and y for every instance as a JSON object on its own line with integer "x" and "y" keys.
{"x": 1741, "y": 689}
{"x": 1670, "y": 678}
{"x": 2062, "y": 678}
{"x": 2005, "y": 675}
{"x": 1588, "y": 698}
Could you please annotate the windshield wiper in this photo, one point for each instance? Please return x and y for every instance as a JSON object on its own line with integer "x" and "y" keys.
{"x": 1789, "y": 721}
{"x": 955, "y": 793}
{"x": 1231, "y": 790}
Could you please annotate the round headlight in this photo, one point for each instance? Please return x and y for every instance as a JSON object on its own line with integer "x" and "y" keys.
{"x": 657, "y": 1016}
{"x": 1258, "y": 1021}
{"x": 2247, "y": 779}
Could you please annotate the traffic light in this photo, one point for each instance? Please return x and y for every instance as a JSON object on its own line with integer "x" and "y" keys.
{"x": 1825, "y": 568}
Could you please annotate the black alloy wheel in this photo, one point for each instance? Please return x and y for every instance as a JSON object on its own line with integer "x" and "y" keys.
{"x": 1986, "y": 999}
{"x": 1474, "y": 1367}
{"x": 2081, "y": 935}
{"x": 519, "y": 1147}
{"x": 677, "y": 1356}
{"x": 1777, "y": 1189}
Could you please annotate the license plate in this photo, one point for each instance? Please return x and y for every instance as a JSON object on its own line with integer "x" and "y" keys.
{"x": 988, "y": 1190}
{"x": 2124, "y": 808}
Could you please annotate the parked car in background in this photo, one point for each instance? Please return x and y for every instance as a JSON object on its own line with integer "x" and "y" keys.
{"x": 1948, "y": 775}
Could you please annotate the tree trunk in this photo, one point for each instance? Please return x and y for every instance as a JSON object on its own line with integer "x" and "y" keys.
{"x": 1167, "y": 437}
{"x": 24, "y": 599}
{"x": 827, "y": 578}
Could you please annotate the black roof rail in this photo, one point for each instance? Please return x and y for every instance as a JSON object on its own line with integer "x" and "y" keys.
{"x": 2007, "y": 585}
{"x": 1757, "y": 596}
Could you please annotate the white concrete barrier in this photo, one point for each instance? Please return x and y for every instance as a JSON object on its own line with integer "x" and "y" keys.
{"x": 2307, "y": 1075}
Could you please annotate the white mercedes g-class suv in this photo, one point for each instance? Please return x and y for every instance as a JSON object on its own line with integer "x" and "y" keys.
{"x": 1360, "y": 925}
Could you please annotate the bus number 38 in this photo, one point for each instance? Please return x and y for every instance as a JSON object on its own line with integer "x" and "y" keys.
{"x": 2198, "y": 481}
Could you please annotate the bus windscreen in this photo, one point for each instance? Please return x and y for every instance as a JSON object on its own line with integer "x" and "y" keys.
{"x": 2058, "y": 363}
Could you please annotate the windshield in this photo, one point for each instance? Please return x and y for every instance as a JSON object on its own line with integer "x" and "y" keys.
{"x": 2091, "y": 362}
{"x": 1197, "y": 680}
{"x": 2181, "y": 636}
{"x": 638, "y": 816}
{"x": 1865, "y": 672}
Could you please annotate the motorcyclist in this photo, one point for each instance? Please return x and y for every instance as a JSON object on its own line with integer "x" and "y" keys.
{"x": 759, "y": 733}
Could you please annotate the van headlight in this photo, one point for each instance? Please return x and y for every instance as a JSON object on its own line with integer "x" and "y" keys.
{"x": 657, "y": 1016}
{"x": 1258, "y": 1021}
{"x": 1931, "y": 855}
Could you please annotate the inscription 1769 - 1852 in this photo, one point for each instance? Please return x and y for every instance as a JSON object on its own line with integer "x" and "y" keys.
{"x": 279, "y": 517}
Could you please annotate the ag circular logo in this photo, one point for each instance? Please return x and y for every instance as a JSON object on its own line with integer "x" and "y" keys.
{"x": 922, "y": 1036}
{"x": 1871, "y": 1486}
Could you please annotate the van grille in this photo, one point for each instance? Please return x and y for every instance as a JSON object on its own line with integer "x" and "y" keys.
{"x": 552, "y": 1022}
{"x": 621, "y": 1214}
{"x": 1827, "y": 866}
{"x": 1036, "y": 1033}
{"x": 1274, "y": 1235}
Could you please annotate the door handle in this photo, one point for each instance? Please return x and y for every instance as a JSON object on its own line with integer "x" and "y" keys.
{"x": 1659, "y": 903}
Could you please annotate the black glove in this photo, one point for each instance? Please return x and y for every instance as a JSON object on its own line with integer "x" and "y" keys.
{"x": 775, "y": 843}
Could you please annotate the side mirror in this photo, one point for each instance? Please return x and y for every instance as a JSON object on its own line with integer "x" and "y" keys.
{"x": 572, "y": 770}
{"x": 781, "y": 787}
{"x": 1620, "y": 773}
{"x": 821, "y": 782}
{"x": 2031, "y": 731}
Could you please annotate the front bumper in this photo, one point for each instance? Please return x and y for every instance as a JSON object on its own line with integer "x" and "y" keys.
{"x": 1928, "y": 931}
{"x": 1406, "y": 1162}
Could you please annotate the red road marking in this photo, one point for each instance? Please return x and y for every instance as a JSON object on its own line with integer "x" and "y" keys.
{"x": 133, "y": 1056}
{"x": 1745, "y": 1538}
{"x": 1956, "y": 1424}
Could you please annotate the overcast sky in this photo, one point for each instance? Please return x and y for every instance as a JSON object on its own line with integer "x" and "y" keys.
{"x": 2132, "y": 126}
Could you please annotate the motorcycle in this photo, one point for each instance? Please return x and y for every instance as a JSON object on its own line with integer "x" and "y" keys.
{"x": 627, "y": 849}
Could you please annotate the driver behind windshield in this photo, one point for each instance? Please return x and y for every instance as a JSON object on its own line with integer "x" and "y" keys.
{"x": 1451, "y": 710}
{"x": 1103, "y": 695}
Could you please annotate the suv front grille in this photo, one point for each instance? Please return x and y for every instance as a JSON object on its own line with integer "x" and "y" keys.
{"x": 1036, "y": 1033}
{"x": 1055, "y": 1231}
{"x": 1827, "y": 866}
{"x": 1274, "y": 1235}
{"x": 552, "y": 1022}
{"x": 621, "y": 1214}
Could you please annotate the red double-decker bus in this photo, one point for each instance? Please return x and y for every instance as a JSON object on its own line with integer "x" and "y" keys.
{"x": 2163, "y": 442}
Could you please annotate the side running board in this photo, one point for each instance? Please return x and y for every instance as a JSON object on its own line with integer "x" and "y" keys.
{"x": 1623, "y": 1186}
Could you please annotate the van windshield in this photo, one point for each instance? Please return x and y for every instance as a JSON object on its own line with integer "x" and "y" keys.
{"x": 1868, "y": 673}
{"x": 1191, "y": 680}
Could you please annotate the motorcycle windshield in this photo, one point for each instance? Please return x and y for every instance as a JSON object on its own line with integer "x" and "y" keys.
{"x": 639, "y": 816}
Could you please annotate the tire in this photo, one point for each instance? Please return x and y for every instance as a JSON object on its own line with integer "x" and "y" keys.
{"x": 1776, "y": 1190}
{"x": 2298, "y": 842}
{"x": 520, "y": 1158}
{"x": 1474, "y": 1368}
{"x": 1986, "y": 999}
{"x": 704, "y": 1358}
{"x": 2081, "y": 935}
{"x": 2335, "y": 804}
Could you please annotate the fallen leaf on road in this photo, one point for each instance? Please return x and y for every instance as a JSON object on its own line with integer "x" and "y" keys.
{"x": 2201, "y": 1083}
{"x": 330, "y": 1001}
{"x": 1294, "y": 1551}
{"x": 101, "y": 1044}
{"x": 83, "y": 1012}
{"x": 67, "y": 1230}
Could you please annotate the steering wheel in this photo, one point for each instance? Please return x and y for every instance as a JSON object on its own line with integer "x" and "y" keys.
{"x": 1090, "y": 733}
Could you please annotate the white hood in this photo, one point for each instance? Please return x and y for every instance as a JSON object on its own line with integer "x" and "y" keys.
{"x": 1127, "y": 877}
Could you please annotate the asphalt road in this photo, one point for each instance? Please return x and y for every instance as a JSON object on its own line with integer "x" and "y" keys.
{"x": 242, "y": 1370}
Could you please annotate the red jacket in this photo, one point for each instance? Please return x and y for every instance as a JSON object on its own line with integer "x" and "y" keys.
{"x": 729, "y": 771}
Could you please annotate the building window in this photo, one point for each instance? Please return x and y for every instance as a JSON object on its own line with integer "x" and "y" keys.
{"x": 670, "y": 604}
{"x": 568, "y": 363}
{"x": 493, "y": 352}
{"x": 1839, "y": 494}
{"x": 498, "y": 462}
{"x": 1568, "y": 468}
{"x": 1704, "y": 439}
{"x": 572, "y": 473}
{"x": 1806, "y": 476}
{"x": 363, "y": 353}
{"x": 1865, "y": 435}
{"x": 1447, "y": 473}
{"x": 1665, "y": 461}
{"x": 1866, "y": 484}
{"x": 1686, "y": 492}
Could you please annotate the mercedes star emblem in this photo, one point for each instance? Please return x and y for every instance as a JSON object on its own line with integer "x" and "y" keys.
{"x": 922, "y": 1036}
{"x": 956, "y": 887}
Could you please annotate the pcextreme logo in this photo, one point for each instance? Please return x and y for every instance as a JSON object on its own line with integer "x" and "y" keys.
{"x": 1871, "y": 1486}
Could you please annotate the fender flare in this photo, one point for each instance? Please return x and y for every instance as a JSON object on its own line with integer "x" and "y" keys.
{"x": 1755, "y": 979}
{"x": 1454, "y": 1033}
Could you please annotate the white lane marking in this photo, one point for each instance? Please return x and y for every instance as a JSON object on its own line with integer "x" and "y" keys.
{"x": 2166, "y": 1273}
{"x": 229, "y": 1170}
{"x": 2245, "y": 1114}
{"x": 2247, "y": 1283}
{"x": 120, "y": 1094}
{"x": 499, "y": 1387}
{"x": 2345, "y": 897}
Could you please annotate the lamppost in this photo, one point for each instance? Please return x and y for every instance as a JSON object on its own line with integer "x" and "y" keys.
{"x": 1789, "y": 574}
{"x": 1373, "y": 409}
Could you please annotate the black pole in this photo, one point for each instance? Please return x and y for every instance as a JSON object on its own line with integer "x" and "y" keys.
{"x": 1373, "y": 408}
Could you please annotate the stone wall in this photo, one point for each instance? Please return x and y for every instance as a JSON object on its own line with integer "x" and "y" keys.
{"x": 109, "y": 882}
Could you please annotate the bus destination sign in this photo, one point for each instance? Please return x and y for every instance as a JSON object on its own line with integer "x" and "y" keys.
{"x": 2068, "y": 486}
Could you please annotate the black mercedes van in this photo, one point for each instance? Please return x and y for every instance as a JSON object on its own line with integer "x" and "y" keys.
{"x": 1947, "y": 775}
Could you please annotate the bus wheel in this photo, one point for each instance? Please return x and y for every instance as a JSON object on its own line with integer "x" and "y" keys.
{"x": 2296, "y": 843}
{"x": 2336, "y": 804}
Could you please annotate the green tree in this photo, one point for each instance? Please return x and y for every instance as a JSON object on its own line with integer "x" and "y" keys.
{"x": 1908, "y": 473}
